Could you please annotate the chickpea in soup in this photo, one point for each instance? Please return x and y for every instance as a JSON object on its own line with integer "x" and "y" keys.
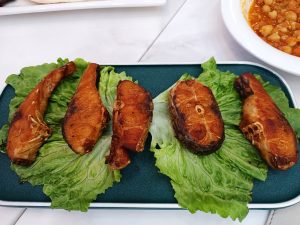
{"x": 278, "y": 23}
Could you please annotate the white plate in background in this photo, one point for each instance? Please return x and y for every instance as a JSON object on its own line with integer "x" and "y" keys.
{"x": 26, "y": 6}
{"x": 234, "y": 14}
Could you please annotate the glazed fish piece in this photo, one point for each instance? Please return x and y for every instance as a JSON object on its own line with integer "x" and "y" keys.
{"x": 196, "y": 117}
{"x": 28, "y": 131}
{"x": 86, "y": 116}
{"x": 118, "y": 157}
{"x": 132, "y": 115}
{"x": 265, "y": 126}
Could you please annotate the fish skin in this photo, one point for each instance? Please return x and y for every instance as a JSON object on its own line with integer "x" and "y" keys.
{"x": 27, "y": 130}
{"x": 196, "y": 117}
{"x": 86, "y": 116}
{"x": 132, "y": 115}
{"x": 265, "y": 126}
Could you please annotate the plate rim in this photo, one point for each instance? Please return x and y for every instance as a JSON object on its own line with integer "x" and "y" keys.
{"x": 169, "y": 205}
{"x": 242, "y": 33}
{"x": 66, "y": 6}
{"x": 148, "y": 205}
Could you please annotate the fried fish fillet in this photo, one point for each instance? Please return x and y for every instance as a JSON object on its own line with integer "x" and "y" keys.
{"x": 28, "y": 131}
{"x": 132, "y": 115}
{"x": 196, "y": 117}
{"x": 86, "y": 116}
{"x": 265, "y": 126}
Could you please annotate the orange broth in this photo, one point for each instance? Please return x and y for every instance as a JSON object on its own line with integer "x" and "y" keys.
{"x": 278, "y": 23}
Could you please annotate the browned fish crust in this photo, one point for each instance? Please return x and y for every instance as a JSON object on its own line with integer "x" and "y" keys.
{"x": 196, "y": 117}
{"x": 86, "y": 116}
{"x": 132, "y": 115}
{"x": 28, "y": 131}
{"x": 265, "y": 126}
{"x": 118, "y": 157}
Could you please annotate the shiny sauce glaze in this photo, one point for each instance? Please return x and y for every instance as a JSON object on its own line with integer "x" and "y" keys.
{"x": 278, "y": 23}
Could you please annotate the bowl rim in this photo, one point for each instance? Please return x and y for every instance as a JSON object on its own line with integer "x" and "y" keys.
{"x": 237, "y": 25}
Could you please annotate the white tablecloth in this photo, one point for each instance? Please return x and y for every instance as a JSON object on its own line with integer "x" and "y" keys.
{"x": 181, "y": 31}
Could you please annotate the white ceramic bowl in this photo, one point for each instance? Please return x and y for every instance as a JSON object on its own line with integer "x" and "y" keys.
{"x": 235, "y": 17}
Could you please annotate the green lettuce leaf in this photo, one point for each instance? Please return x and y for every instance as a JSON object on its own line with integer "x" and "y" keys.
{"x": 108, "y": 85}
{"x": 3, "y": 136}
{"x": 28, "y": 78}
{"x": 207, "y": 183}
{"x": 221, "y": 84}
{"x": 220, "y": 182}
{"x": 291, "y": 114}
{"x": 62, "y": 95}
{"x": 70, "y": 180}
{"x": 238, "y": 151}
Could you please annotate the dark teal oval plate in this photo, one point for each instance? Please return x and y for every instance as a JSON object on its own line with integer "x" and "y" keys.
{"x": 142, "y": 186}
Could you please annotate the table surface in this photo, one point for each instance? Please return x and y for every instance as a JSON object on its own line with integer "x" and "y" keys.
{"x": 180, "y": 31}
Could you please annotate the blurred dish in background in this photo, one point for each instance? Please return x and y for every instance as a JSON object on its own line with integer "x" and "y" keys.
{"x": 235, "y": 15}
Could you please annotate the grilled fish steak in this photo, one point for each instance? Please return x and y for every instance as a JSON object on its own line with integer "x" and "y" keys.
{"x": 196, "y": 117}
{"x": 86, "y": 116}
{"x": 265, "y": 126}
{"x": 28, "y": 131}
{"x": 132, "y": 115}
